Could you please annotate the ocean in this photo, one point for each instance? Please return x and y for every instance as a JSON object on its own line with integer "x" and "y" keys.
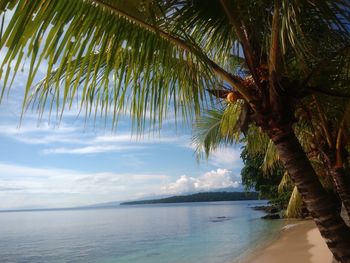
{"x": 211, "y": 232}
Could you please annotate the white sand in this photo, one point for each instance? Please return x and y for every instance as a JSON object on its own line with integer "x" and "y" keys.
{"x": 300, "y": 243}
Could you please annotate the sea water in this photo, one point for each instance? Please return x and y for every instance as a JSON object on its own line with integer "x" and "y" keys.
{"x": 211, "y": 232}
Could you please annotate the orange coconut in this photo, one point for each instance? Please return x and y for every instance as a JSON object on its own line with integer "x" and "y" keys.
{"x": 231, "y": 97}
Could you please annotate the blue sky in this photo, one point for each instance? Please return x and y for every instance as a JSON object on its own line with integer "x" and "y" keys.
{"x": 48, "y": 165}
{"x": 71, "y": 163}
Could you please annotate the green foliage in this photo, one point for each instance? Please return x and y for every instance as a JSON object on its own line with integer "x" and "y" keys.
{"x": 256, "y": 141}
{"x": 208, "y": 134}
{"x": 97, "y": 54}
{"x": 254, "y": 178}
{"x": 230, "y": 125}
{"x": 294, "y": 208}
{"x": 146, "y": 57}
{"x": 208, "y": 26}
{"x": 274, "y": 186}
{"x": 271, "y": 158}
{"x": 218, "y": 128}
{"x": 282, "y": 199}
{"x": 285, "y": 183}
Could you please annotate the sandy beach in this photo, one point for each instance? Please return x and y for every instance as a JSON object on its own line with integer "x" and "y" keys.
{"x": 300, "y": 242}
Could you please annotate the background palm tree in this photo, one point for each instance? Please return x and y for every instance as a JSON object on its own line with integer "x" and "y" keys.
{"x": 163, "y": 53}
{"x": 330, "y": 146}
{"x": 319, "y": 129}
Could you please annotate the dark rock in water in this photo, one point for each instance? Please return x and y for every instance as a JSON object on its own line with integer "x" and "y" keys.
{"x": 272, "y": 210}
{"x": 260, "y": 207}
{"x": 220, "y": 219}
{"x": 271, "y": 216}
{"x": 268, "y": 209}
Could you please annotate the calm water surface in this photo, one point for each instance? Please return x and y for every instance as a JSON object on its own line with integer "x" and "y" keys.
{"x": 219, "y": 232}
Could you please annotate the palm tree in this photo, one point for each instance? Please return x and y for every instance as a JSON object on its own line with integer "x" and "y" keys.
{"x": 331, "y": 126}
{"x": 319, "y": 129}
{"x": 259, "y": 153}
{"x": 323, "y": 131}
{"x": 143, "y": 56}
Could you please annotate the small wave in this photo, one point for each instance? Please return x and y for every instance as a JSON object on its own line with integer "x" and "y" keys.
{"x": 289, "y": 226}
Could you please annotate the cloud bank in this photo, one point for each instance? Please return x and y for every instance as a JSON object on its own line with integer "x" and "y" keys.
{"x": 213, "y": 180}
{"x": 30, "y": 187}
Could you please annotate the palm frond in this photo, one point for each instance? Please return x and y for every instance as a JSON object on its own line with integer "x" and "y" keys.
{"x": 90, "y": 43}
{"x": 303, "y": 34}
{"x": 208, "y": 135}
{"x": 208, "y": 27}
{"x": 294, "y": 205}
{"x": 218, "y": 128}
{"x": 256, "y": 140}
{"x": 271, "y": 157}
{"x": 285, "y": 182}
{"x": 231, "y": 120}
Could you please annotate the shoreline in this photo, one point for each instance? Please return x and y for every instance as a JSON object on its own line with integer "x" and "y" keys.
{"x": 299, "y": 241}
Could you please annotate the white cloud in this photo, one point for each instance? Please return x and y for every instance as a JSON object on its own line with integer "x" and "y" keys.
{"x": 24, "y": 186}
{"x": 227, "y": 157}
{"x": 32, "y": 133}
{"x": 145, "y": 139}
{"x": 75, "y": 139}
{"x": 110, "y": 143}
{"x": 91, "y": 149}
{"x": 216, "y": 179}
{"x": 40, "y": 139}
{"x": 12, "y": 129}
{"x": 21, "y": 186}
{"x": 123, "y": 138}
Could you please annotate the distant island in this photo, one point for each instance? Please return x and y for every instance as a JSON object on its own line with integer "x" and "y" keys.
{"x": 200, "y": 197}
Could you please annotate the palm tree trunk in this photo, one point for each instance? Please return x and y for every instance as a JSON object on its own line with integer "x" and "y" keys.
{"x": 342, "y": 186}
{"x": 323, "y": 210}
{"x": 345, "y": 215}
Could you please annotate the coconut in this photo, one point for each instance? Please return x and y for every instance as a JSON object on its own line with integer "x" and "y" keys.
{"x": 231, "y": 97}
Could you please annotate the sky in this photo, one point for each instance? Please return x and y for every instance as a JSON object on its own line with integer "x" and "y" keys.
{"x": 48, "y": 163}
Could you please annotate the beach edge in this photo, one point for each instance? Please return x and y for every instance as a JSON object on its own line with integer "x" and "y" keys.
{"x": 298, "y": 241}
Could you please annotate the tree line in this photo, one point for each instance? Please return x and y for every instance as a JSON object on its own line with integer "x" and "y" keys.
{"x": 199, "y": 197}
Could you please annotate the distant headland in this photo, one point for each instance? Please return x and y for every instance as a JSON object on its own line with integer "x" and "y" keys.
{"x": 200, "y": 197}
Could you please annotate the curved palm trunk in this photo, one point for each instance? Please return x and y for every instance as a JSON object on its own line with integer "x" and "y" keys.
{"x": 345, "y": 215}
{"x": 340, "y": 182}
{"x": 342, "y": 186}
{"x": 321, "y": 207}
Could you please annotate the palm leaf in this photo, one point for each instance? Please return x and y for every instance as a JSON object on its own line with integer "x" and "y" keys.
{"x": 208, "y": 135}
{"x": 302, "y": 33}
{"x": 271, "y": 158}
{"x": 294, "y": 205}
{"x": 256, "y": 140}
{"x": 91, "y": 42}
{"x": 218, "y": 128}
{"x": 285, "y": 182}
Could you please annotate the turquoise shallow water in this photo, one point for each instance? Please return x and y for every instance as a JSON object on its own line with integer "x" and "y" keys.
{"x": 220, "y": 232}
